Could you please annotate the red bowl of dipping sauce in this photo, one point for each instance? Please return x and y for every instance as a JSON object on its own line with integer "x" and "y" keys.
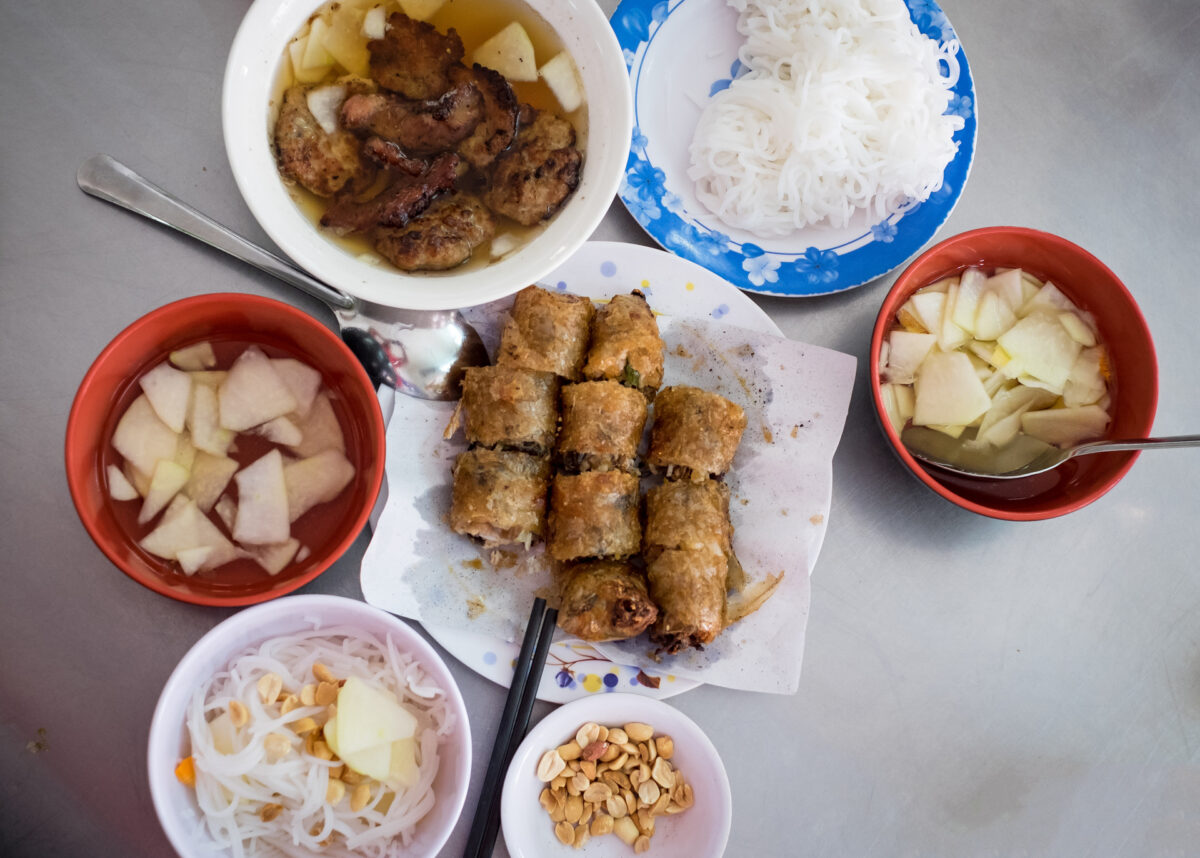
{"x": 1121, "y": 329}
{"x": 230, "y": 322}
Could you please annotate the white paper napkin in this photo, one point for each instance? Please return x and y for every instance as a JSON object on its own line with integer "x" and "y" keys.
{"x": 796, "y": 398}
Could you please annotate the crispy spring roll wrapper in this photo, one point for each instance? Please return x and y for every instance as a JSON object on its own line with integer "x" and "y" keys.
{"x": 605, "y": 600}
{"x": 692, "y": 516}
{"x": 547, "y": 331}
{"x": 689, "y": 589}
{"x": 602, "y": 424}
{"x": 695, "y": 433}
{"x": 511, "y": 408}
{"x": 594, "y": 514}
{"x": 626, "y": 345}
{"x": 499, "y": 496}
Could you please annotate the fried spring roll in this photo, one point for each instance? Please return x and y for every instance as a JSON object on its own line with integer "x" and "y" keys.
{"x": 695, "y": 433}
{"x": 602, "y": 424}
{"x": 499, "y": 496}
{"x": 547, "y": 331}
{"x": 605, "y": 600}
{"x": 692, "y": 516}
{"x": 689, "y": 589}
{"x": 626, "y": 345}
{"x": 594, "y": 514}
{"x": 511, "y": 408}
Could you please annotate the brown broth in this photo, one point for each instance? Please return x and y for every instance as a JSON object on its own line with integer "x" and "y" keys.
{"x": 318, "y": 530}
{"x": 475, "y": 22}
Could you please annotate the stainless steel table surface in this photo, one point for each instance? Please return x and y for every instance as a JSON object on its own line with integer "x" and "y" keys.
{"x": 970, "y": 687}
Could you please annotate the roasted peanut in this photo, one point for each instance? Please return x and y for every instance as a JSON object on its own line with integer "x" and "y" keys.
{"x": 598, "y": 792}
{"x": 321, "y": 673}
{"x": 665, "y": 746}
{"x": 663, "y": 774}
{"x": 573, "y": 809}
{"x": 269, "y": 686}
{"x": 335, "y": 791}
{"x": 625, "y": 828}
{"x": 611, "y": 780}
{"x": 277, "y": 746}
{"x": 238, "y": 713}
{"x": 303, "y": 725}
{"x": 588, "y": 733}
{"x": 550, "y": 766}
{"x": 639, "y": 732}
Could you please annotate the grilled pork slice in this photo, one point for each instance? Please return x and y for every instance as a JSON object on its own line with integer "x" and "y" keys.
{"x": 537, "y": 173}
{"x": 495, "y": 132}
{"x": 417, "y": 127}
{"x": 401, "y": 201}
{"x": 321, "y": 162}
{"x": 413, "y": 58}
{"x": 443, "y": 236}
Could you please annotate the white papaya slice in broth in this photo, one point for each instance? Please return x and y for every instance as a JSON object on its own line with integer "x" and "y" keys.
{"x": 253, "y": 392}
{"x": 262, "y": 512}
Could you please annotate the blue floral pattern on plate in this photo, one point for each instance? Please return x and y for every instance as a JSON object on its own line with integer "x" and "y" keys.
{"x": 816, "y": 268}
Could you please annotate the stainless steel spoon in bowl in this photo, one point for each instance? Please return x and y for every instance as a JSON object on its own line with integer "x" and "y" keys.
{"x": 1051, "y": 457}
{"x": 421, "y": 353}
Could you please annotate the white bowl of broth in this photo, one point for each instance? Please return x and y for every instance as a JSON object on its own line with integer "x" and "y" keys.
{"x": 259, "y": 70}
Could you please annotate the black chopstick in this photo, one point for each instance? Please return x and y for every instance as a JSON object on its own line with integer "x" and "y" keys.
{"x": 522, "y": 724}
{"x": 513, "y": 723}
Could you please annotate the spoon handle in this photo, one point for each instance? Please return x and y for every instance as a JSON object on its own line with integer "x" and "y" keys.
{"x": 108, "y": 179}
{"x": 1138, "y": 444}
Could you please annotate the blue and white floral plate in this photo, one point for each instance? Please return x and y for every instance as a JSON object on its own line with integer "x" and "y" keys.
{"x": 680, "y": 53}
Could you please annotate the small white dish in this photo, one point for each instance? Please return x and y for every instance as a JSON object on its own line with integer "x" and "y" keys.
{"x": 175, "y": 803}
{"x": 250, "y": 75}
{"x": 702, "y": 831}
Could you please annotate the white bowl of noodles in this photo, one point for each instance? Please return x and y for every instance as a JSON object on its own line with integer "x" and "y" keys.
{"x": 285, "y": 637}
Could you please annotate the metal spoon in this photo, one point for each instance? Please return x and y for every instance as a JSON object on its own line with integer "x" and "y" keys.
{"x": 418, "y": 352}
{"x": 1052, "y": 457}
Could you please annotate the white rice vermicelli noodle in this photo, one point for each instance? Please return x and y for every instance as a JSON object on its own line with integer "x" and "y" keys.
{"x": 843, "y": 108}
{"x": 233, "y": 788}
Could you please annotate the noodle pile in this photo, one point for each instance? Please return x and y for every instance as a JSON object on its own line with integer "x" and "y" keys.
{"x": 843, "y": 108}
{"x": 233, "y": 788}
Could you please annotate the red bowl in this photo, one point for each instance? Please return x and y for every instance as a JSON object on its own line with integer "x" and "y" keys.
{"x": 1134, "y": 384}
{"x": 111, "y": 384}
